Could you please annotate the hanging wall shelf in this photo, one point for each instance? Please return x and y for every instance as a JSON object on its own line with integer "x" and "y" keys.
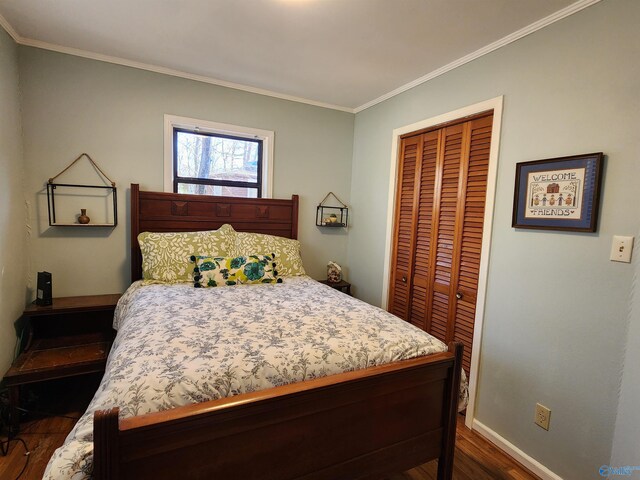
{"x": 330, "y": 215}
{"x": 78, "y": 191}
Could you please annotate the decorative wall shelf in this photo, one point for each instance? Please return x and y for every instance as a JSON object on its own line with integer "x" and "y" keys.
{"x": 332, "y": 216}
{"x": 52, "y": 188}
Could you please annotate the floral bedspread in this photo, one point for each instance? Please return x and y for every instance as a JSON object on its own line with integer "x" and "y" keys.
{"x": 178, "y": 345}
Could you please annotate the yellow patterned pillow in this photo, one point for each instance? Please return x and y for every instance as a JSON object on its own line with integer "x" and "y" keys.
{"x": 224, "y": 271}
{"x": 166, "y": 256}
{"x": 287, "y": 251}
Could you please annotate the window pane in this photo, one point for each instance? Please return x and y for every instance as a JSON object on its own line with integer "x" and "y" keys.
{"x": 219, "y": 190}
{"x": 216, "y": 158}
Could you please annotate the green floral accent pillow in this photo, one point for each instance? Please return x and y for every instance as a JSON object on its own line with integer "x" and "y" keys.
{"x": 287, "y": 250}
{"x": 166, "y": 256}
{"x": 222, "y": 271}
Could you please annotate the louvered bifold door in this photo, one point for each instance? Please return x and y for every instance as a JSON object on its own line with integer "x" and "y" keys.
{"x": 404, "y": 238}
{"x": 439, "y": 218}
{"x": 421, "y": 278}
{"x": 444, "y": 231}
{"x": 471, "y": 218}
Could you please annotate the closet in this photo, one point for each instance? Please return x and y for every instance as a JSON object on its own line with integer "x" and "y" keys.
{"x": 439, "y": 215}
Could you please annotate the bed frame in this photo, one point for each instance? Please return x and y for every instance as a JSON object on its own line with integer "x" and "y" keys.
{"x": 354, "y": 425}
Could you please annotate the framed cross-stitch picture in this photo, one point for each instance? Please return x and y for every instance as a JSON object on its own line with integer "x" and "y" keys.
{"x": 558, "y": 193}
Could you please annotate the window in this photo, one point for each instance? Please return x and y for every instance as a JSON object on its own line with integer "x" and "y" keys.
{"x": 206, "y": 158}
{"x": 214, "y": 164}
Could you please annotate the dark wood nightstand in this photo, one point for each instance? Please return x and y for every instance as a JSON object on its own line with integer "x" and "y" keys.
{"x": 70, "y": 337}
{"x": 343, "y": 286}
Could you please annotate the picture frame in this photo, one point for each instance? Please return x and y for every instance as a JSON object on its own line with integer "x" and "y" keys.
{"x": 558, "y": 193}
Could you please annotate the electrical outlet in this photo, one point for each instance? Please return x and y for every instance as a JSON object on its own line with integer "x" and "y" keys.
{"x": 543, "y": 416}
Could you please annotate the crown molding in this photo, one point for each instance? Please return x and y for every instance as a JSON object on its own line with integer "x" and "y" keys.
{"x": 523, "y": 32}
{"x": 4, "y": 23}
{"x": 28, "y": 42}
{"x": 534, "y": 27}
{"x": 175, "y": 73}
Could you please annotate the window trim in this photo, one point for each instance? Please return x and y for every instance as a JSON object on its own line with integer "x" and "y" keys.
{"x": 172, "y": 122}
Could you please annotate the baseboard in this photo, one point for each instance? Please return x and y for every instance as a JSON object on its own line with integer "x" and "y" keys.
{"x": 514, "y": 452}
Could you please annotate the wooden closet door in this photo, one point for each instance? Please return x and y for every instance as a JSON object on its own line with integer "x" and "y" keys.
{"x": 404, "y": 238}
{"x": 471, "y": 220}
{"x": 438, "y": 234}
{"x": 445, "y": 229}
{"x": 426, "y": 189}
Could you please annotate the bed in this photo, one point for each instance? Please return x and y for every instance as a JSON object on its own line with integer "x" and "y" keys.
{"x": 314, "y": 403}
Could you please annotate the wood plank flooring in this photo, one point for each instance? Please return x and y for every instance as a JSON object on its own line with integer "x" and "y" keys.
{"x": 43, "y": 434}
{"x": 475, "y": 458}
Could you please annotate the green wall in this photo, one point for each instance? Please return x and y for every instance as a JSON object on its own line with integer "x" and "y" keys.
{"x": 13, "y": 275}
{"x": 626, "y": 444}
{"x": 115, "y": 114}
{"x": 556, "y": 313}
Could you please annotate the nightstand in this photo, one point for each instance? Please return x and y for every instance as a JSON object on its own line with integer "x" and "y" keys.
{"x": 343, "y": 286}
{"x": 70, "y": 337}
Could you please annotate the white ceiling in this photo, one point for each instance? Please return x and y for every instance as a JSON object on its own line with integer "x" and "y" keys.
{"x": 339, "y": 53}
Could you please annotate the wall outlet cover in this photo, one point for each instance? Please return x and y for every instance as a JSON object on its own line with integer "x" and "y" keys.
{"x": 543, "y": 416}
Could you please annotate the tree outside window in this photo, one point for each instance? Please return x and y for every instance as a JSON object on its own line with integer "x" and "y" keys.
{"x": 215, "y": 164}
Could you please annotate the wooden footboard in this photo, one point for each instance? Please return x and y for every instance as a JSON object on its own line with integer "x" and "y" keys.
{"x": 361, "y": 424}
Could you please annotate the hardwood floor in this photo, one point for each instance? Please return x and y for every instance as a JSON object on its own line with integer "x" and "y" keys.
{"x": 43, "y": 434}
{"x": 475, "y": 458}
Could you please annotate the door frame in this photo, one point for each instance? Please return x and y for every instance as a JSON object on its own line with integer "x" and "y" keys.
{"x": 494, "y": 104}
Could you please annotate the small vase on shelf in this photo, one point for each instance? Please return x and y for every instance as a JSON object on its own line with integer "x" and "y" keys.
{"x": 82, "y": 218}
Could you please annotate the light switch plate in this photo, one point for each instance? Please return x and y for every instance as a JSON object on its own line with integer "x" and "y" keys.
{"x": 621, "y": 248}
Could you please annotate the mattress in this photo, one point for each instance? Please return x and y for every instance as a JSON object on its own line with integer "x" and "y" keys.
{"x": 178, "y": 345}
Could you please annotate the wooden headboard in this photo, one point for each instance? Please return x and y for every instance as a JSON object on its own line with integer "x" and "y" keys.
{"x": 176, "y": 212}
